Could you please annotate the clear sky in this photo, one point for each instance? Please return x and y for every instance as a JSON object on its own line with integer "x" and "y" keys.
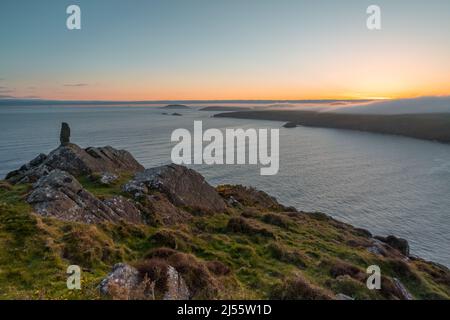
{"x": 224, "y": 49}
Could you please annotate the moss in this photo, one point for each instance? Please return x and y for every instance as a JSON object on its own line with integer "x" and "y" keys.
{"x": 92, "y": 184}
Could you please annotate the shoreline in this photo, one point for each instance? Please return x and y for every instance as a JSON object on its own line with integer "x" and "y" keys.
{"x": 432, "y": 127}
{"x": 168, "y": 221}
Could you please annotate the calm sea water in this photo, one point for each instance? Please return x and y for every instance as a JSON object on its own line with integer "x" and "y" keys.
{"x": 386, "y": 184}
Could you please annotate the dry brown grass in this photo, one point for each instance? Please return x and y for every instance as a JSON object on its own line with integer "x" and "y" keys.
{"x": 248, "y": 226}
{"x": 299, "y": 288}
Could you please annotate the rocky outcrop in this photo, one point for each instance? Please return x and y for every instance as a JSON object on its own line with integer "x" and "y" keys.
{"x": 250, "y": 197}
{"x": 122, "y": 276}
{"x": 76, "y": 161}
{"x": 60, "y": 195}
{"x": 176, "y": 286}
{"x": 396, "y": 243}
{"x": 126, "y": 282}
{"x": 29, "y": 172}
{"x": 182, "y": 186}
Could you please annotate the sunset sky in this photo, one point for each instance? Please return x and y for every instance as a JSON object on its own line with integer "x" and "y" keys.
{"x": 217, "y": 49}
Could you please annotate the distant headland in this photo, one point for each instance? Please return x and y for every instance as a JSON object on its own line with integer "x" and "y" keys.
{"x": 431, "y": 126}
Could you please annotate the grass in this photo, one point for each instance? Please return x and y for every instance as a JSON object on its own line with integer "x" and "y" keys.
{"x": 264, "y": 255}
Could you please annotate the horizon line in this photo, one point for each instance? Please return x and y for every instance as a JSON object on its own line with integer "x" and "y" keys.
{"x": 63, "y": 101}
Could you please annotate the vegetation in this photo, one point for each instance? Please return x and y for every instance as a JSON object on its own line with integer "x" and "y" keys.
{"x": 251, "y": 252}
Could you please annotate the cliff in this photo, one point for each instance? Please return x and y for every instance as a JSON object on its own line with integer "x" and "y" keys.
{"x": 165, "y": 233}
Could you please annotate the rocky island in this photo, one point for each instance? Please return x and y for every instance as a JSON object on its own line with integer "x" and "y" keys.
{"x": 165, "y": 233}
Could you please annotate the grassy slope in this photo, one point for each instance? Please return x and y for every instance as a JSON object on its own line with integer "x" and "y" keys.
{"x": 35, "y": 252}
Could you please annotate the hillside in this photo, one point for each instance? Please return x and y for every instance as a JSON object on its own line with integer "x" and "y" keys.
{"x": 421, "y": 126}
{"x": 165, "y": 233}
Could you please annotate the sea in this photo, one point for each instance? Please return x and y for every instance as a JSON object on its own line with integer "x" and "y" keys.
{"x": 386, "y": 184}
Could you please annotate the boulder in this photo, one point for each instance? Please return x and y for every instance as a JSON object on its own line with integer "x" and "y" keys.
{"x": 123, "y": 276}
{"x": 126, "y": 282}
{"x": 396, "y": 243}
{"x": 108, "y": 178}
{"x": 76, "y": 161}
{"x": 183, "y": 187}
{"x": 60, "y": 195}
{"x": 176, "y": 286}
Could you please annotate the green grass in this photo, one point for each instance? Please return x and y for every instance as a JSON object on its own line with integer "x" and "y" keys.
{"x": 35, "y": 252}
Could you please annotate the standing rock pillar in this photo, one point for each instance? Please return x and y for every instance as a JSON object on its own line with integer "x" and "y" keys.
{"x": 64, "y": 135}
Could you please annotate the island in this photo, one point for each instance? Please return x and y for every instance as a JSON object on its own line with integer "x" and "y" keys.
{"x": 175, "y": 107}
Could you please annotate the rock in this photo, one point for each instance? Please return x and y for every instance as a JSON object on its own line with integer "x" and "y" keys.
{"x": 176, "y": 114}
{"x": 402, "y": 290}
{"x": 60, "y": 195}
{"x": 158, "y": 206}
{"x": 250, "y": 197}
{"x": 182, "y": 186}
{"x": 176, "y": 286}
{"x": 123, "y": 276}
{"x": 126, "y": 282}
{"x": 64, "y": 136}
{"x": 233, "y": 202}
{"x": 363, "y": 232}
{"x": 124, "y": 209}
{"x": 108, "y": 178}
{"x": 29, "y": 172}
{"x": 341, "y": 296}
{"x": 396, "y": 243}
{"x": 377, "y": 249}
{"x": 76, "y": 161}
{"x": 290, "y": 125}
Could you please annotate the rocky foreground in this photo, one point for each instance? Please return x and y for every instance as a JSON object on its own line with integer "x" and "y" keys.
{"x": 165, "y": 233}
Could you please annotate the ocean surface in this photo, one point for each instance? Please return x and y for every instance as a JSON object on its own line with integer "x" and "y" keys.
{"x": 386, "y": 184}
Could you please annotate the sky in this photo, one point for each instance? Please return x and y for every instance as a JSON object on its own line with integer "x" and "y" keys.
{"x": 224, "y": 49}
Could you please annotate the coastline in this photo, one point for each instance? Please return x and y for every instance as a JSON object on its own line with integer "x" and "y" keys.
{"x": 433, "y": 127}
{"x": 99, "y": 209}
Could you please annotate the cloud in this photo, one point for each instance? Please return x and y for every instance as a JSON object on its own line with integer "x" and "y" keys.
{"x": 76, "y": 85}
{"x": 4, "y": 89}
{"x": 439, "y": 104}
{"x": 30, "y": 97}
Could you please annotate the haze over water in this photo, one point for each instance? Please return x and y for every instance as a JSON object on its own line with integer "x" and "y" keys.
{"x": 386, "y": 184}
